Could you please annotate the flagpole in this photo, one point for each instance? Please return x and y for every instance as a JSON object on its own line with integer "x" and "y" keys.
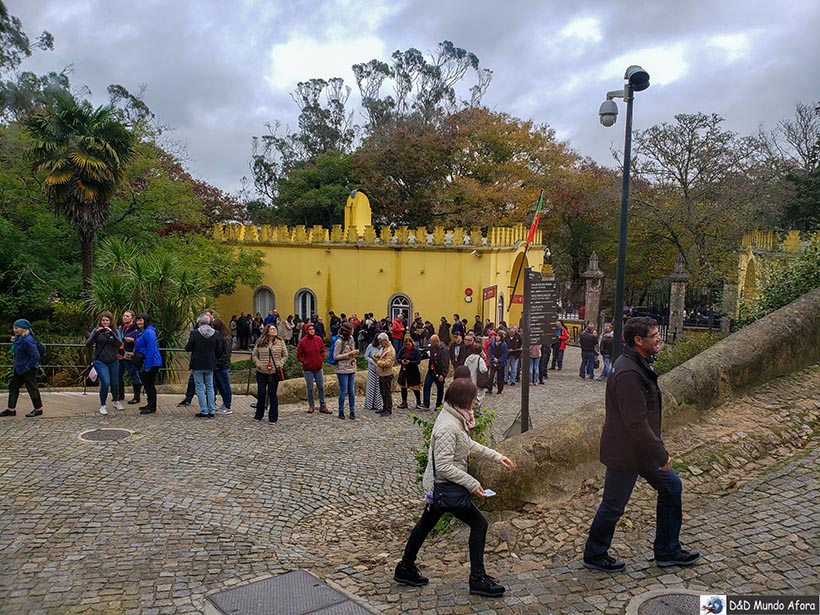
{"x": 535, "y": 220}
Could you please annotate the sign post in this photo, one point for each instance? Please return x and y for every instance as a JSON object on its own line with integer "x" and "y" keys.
{"x": 538, "y": 323}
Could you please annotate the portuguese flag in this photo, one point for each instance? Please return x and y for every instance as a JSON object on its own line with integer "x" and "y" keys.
{"x": 536, "y": 219}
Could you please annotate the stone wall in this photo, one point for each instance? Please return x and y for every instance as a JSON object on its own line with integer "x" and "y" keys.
{"x": 550, "y": 457}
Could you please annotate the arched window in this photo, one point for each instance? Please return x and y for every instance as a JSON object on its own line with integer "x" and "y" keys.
{"x": 263, "y": 301}
{"x": 304, "y": 303}
{"x": 400, "y": 304}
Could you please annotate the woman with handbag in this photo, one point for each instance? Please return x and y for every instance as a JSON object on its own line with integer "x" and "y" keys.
{"x": 147, "y": 360}
{"x": 106, "y": 359}
{"x": 409, "y": 375}
{"x": 269, "y": 356}
{"x": 448, "y": 487}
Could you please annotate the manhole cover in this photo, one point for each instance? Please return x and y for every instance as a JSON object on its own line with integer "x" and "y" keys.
{"x": 294, "y": 593}
{"x": 105, "y": 435}
{"x": 670, "y": 604}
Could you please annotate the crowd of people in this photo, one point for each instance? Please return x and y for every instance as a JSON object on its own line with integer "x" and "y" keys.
{"x": 631, "y": 443}
{"x": 492, "y": 353}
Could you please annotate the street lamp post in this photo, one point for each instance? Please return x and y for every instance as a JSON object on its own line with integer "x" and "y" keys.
{"x": 637, "y": 81}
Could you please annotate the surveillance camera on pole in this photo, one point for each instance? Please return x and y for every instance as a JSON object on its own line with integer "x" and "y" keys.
{"x": 637, "y": 80}
{"x": 608, "y": 112}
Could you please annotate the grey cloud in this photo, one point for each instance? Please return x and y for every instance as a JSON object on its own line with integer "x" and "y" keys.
{"x": 205, "y": 63}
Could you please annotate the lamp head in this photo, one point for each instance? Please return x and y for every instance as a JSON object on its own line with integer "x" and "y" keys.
{"x": 608, "y": 113}
{"x": 638, "y": 78}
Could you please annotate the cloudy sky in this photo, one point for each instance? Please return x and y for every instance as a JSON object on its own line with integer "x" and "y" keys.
{"x": 217, "y": 71}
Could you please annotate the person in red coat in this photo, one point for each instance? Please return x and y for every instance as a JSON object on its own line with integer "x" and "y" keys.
{"x": 311, "y": 354}
{"x": 559, "y": 346}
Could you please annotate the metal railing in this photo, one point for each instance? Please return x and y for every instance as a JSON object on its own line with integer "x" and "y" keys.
{"x": 75, "y": 374}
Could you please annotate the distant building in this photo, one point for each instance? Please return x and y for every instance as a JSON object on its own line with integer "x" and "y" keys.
{"x": 352, "y": 269}
{"x": 762, "y": 251}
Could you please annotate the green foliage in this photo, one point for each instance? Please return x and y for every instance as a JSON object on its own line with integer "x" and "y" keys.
{"x": 80, "y": 153}
{"x": 803, "y": 211}
{"x": 39, "y": 262}
{"x": 313, "y": 193}
{"x": 684, "y": 349}
{"x": 15, "y": 44}
{"x": 784, "y": 284}
{"x": 223, "y": 269}
{"x": 167, "y": 288}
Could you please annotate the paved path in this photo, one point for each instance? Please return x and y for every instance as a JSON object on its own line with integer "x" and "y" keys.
{"x": 185, "y": 507}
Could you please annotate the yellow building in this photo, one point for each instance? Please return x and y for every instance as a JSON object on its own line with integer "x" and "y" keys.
{"x": 351, "y": 269}
{"x": 762, "y": 251}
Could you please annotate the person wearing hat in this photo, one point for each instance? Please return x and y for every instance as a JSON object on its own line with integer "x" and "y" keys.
{"x": 25, "y": 366}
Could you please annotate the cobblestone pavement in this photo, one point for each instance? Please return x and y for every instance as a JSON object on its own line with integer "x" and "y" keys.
{"x": 185, "y": 507}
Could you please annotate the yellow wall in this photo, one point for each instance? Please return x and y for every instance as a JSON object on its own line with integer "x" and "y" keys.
{"x": 347, "y": 277}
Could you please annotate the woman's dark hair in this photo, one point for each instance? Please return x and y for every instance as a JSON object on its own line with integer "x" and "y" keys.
{"x": 105, "y": 314}
{"x": 462, "y": 371}
{"x": 145, "y": 318}
{"x": 638, "y": 327}
{"x": 220, "y": 326}
{"x": 461, "y": 393}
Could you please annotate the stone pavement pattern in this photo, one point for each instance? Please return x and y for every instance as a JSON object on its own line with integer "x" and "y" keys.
{"x": 185, "y": 507}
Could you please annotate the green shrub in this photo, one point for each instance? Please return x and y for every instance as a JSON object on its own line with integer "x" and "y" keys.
{"x": 684, "y": 349}
{"x": 782, "y": 285}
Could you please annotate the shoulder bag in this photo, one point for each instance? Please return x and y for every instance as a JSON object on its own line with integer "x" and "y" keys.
{"x": 279, "y": 371}
{"x": 447, "y": 496}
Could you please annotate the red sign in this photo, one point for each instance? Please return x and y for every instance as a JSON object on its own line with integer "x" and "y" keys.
{"x": 518, "y": 299}
{"x": 489, "y": 293}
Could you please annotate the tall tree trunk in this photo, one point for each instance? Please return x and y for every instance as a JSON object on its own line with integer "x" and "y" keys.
{"x": 87, "y": 236}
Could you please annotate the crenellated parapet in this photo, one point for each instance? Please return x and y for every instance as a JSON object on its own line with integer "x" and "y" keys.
{"x": 772, "y": 241}
{"x": 763, "y": 250}
{"x": 402, "y": 236}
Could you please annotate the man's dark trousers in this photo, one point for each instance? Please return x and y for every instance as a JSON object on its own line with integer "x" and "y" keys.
{"x": 429, "y": 379}
{"x": 618, "y": 487}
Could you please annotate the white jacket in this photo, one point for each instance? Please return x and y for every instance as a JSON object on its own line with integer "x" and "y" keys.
{"x": 453, "y": 447}
{"x": 475, "y": 364}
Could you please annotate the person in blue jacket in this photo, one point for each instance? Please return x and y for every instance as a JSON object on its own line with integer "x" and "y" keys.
{"x": 147, "y": 346}
{"x": 25, "y": 366}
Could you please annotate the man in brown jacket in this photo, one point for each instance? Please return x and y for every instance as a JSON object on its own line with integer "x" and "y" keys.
{"x": 631, "y": 446}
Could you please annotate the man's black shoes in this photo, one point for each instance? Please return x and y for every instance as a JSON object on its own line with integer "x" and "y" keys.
{"x": 681, "y": 558}
{"x": 604, "y": 563}
{"x": 409, "y": 575}
{"x": 485, "y": 585}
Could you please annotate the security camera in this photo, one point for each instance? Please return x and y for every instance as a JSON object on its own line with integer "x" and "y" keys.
{"x": 608, "y": 113}
{"x": 474, "y": 253}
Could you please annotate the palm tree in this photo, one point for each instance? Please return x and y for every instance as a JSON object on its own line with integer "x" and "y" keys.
{"x": 171, "y": 291}
{"x": 82, "y": 152}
